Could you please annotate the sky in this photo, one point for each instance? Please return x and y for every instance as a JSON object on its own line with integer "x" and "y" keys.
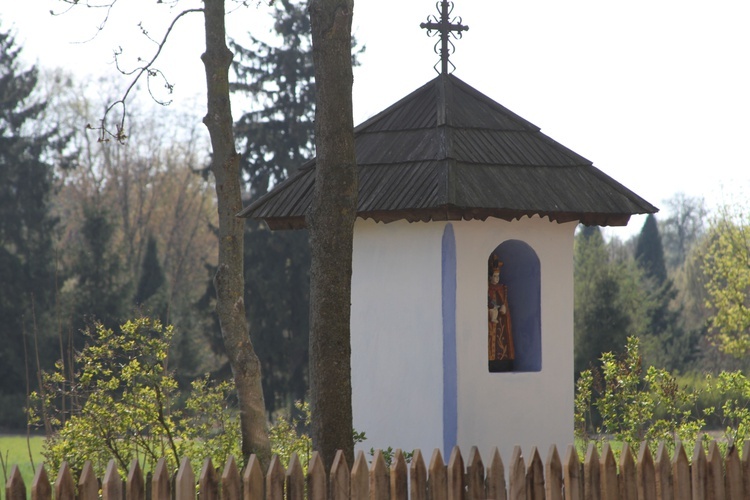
{"x": 656, "y": 93}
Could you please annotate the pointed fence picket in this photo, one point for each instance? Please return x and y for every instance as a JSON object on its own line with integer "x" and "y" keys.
{"x": 231, "y": 484}
{"x": 496, "y": 477}
{"x": 599, "y": 477}
{"x": 591, "y": 470}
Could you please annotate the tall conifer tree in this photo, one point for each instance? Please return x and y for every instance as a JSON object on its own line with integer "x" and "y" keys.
{"x": 649, "y": 252}
{"x": 666, "y": 342}
{"x": 103, "y": 287}
{"x": 150, "y": 293}
{"x": 26, "y": 256}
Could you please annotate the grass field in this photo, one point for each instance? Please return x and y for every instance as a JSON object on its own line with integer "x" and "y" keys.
{"x": 15, "y": 451}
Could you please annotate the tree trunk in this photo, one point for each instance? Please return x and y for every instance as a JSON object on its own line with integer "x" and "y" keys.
{"x": 228, "y": 280}
{"x": 331, "y": 224}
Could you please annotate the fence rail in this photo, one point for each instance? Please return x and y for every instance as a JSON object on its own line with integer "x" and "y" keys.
{"x": 710, "y": 476}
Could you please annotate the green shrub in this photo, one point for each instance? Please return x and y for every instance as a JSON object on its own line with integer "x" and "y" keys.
{"x": 119, "y": 401}
{"x": 634, "y": 404}
{"x": 732, "y": 390}
{"x": 287, "y": 439}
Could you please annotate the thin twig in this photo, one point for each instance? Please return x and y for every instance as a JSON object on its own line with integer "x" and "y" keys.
{"x": 148, "y": 70}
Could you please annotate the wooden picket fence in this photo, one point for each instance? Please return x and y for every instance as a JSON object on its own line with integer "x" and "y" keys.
{"x": 597, "y": 478}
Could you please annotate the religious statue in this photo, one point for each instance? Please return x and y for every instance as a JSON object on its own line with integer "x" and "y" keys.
{"x": 500, "y": 331}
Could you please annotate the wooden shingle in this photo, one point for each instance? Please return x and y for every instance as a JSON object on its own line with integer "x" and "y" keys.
{"x": 448, "y": 152}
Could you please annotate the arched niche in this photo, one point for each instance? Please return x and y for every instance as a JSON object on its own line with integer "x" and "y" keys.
{"x": 520, "y": 275}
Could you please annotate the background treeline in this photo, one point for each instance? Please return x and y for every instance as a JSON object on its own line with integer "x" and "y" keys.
{"x": 656, "y": 286}
{"x": 662, "y": 325}
{"x": 96, "y": 232}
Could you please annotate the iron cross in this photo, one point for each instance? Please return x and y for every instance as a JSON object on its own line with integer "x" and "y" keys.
{"x": 446, "y": 27}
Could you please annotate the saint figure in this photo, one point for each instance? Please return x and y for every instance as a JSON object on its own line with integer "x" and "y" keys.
{"x": 500, "y": 332}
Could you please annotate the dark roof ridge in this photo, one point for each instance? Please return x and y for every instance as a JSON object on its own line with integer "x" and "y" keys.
{"x": 443, "y": 85}
{"x": 491, "y": 102}
{"x": 396, "y": 105}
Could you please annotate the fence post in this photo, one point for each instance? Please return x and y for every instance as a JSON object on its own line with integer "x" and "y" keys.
{"x": 88, "y": 485}
{"x": 746, "y": 466}
{"x": 437, "y": 482}
{"x": 253, "y": 484}
{"x": 184, "y": 488}
{"x": 572, "y": 475}
{"x": 517, "y": 476}
{"x": 628, "y": 488}
{"x": 681, "y": 472}
{"x": 161, "y": 485}
{"x": 553, "y": 470}
{"x": 715, "y": 472}
{"x": 398, "y": 477}
{"x": 592, "y": 486}
{"x": 734, "y": 486}
{"x": 496, "y": 477}
{"x": 417, "y": 477}
{"x": 340, "y": 477}
{"x": 646, "y": 474}
{"x": 135, "y": 488}
{"x": 14, "y": 488}
{"x": 475, "y": 476}
{"x": 456, "y": 475}
{"x": 380, "y": 483}
{"x": 608, "y": 474}
{"x": 112, "y": 483}
{"x": 295, "y": 479}
{"x": 535, "y": 476}
{"x": 275, "y": 480}
{"x": 65, "y": 488}
{"x": 663, "y": 473}
{"x": 699, "y": 473}
{"x": 360, "y": 478}
{"x": 40, "y": 486}
{"x": 231, "y": 484}
{"x": 208, "y": 481}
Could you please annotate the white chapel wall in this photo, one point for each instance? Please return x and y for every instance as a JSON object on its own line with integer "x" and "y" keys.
{"x": 530, "y": 408}
{"x": 397, "y": 384}
{"x": 397, "y": 334}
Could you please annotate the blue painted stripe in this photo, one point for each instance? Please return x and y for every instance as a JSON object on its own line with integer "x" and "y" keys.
{"x": 450, "y": 374}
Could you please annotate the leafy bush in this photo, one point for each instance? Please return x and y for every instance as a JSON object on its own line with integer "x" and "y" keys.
{"x": 286, "y": 438}
{"x": 733, "y": 391}
{"x": 635, "y": 405}
{"x": 119, "y": 401}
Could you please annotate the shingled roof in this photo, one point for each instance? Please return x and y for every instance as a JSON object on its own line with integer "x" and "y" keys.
{"x": 448, "y": 152}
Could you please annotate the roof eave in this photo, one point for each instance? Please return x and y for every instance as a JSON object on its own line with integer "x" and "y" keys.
{"x": 451, "y": 213}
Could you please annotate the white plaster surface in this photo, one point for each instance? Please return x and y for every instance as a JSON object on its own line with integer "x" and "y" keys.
{"x": 508, "y": 409}
{"x": 397, "y": 365}
{"x": 397, "y": 334}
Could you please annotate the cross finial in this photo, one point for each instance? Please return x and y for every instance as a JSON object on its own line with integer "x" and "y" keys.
{"x": 446, "y": 27}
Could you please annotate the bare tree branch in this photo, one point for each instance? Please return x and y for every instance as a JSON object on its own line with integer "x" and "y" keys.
{"x": 150, "y": 71}
{"x": 92, "y": 5}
